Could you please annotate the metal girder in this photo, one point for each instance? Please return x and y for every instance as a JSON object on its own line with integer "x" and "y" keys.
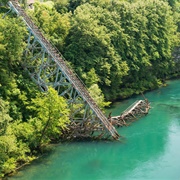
{"x": 45, "y": 72}
{"x": 47, "y": 67}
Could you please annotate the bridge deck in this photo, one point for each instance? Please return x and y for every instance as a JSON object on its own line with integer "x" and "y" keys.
{"x": 71, "y": 76}
{"x": 138, "y": 108}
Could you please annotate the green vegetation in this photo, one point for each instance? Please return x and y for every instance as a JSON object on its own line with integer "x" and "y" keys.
{"x": 118, "y": 48}
{"x": 29, "y": 119}
{"x": 128, "y": 44}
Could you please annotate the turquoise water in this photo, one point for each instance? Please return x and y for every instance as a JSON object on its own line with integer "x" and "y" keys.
{"x": 148, "y": 150}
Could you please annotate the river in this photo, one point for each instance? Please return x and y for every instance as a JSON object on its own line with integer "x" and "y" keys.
{"x": 149, "y": 148}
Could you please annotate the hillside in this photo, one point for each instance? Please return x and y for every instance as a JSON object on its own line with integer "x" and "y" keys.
{"x": 118, "y": 48}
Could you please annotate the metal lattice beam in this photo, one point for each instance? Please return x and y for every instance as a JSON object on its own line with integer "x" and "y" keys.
{"x": 47, "y": 67}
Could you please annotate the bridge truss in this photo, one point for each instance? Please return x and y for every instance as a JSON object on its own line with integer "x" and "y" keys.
{"x": 47, "y": 67}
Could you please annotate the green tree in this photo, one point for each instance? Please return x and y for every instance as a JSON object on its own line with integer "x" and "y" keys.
{"x": 51, "y": 116}
{"x": 12, "y": 33}
{"x": 89, "y": 45}
{"x": 4, "y": 116}
{"x": 98, "y": 96}
{"x": 54, "y": 25}
{"x": 90, "y": 77}
{"x": 4, "y": 2}
{"x": 151, "y": 37}
{"x": 61, "y": 6}
{"x": 12, "y": 151}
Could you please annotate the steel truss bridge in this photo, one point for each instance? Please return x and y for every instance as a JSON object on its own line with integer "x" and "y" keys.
{"x": 47, "y": 67}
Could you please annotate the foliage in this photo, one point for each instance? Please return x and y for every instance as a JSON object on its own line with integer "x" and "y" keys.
{"x": 89, "y": 45}
{"x": 54, "y": 25}
{"x": 98, "y": 96}
{"x": 150, "y": 30}
{"x": 4, "y": 116}
{"x": 11, "y": 150}
{"x": 19, "y": 133}
{"x": 4, "y": 1}
{"x": 122, "y": 42}
{"x": 118, "y": 48}
{"x": 51, "y": 115}
{"x": 116, "y": 43}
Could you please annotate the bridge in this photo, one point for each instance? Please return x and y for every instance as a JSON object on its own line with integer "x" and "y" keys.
{"x": 136, "y": 110}
{"x": 47, "y": 67}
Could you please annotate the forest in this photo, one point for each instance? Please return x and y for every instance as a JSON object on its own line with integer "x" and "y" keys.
{"x": 118, "y": 48}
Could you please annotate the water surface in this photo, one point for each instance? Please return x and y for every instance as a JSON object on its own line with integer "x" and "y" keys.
{"x": 149, "y": 148}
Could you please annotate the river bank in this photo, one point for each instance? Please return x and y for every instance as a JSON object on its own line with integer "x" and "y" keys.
{"x": 149, "y": 148}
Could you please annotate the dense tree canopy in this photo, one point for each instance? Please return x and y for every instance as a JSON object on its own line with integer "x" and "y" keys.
{"x": 23, "y": 131}
{"x": 117, "y": 47}
{"x": 122, "y": 41}
{"x": 54, "y": 25}
{"x": 150, "y": 29}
